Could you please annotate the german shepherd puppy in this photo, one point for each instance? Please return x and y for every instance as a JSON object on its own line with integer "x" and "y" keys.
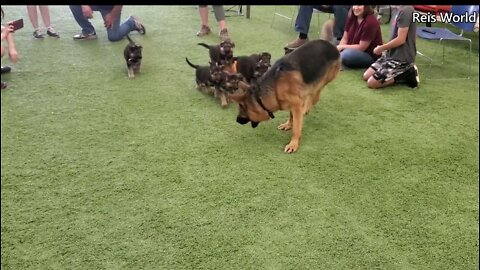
{"x": 222, "y": 53}
{"x": 252, "y": 66}
{"x": 206, "y": 76}
{"x": 293, "y": 83}
{"x": 133, "y": 57}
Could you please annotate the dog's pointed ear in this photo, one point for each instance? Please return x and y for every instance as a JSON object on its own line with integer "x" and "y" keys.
{"x": 238, "y": 96}
{"x": 233, "y": 44}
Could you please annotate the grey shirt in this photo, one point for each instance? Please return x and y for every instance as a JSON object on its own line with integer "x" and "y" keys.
{"x": 407, "y": 51}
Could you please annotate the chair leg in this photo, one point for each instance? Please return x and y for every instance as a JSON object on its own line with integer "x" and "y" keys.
{"x": 295, "y": 11}
{"x": 470, "y": 60}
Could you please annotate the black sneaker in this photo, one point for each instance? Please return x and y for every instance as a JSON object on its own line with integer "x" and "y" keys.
{"x": 37, "y": 34}
{"x": 412, "y": 79}
{"x": 139, "y": 26}
{"x": 6, "y": 70}
{"x": 51, "y": 32}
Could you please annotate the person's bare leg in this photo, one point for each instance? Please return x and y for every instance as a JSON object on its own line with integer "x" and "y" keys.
{"x": 45, "y": 15}
{"x": 203, "y": 11}
{"x": 33, "y": 15}
{"x": 204, "y": 29}
{"x": 222, "y": 24}
{"x": 374, "y": 84}
{"x": 45, "y": 12}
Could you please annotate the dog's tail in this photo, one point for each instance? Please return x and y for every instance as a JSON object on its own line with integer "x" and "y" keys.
{"x": 130, "y": 40}
{"x": 190, "y": 64}
{"x": 204, "y": 45}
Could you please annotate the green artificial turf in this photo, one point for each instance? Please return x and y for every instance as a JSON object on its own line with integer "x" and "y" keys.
{"x": 102, "y": 172}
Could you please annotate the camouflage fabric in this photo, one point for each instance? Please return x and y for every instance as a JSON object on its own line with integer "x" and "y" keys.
{"x": 387, "y": 68}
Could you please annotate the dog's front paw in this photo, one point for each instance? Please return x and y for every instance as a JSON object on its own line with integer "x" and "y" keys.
{"x": 285, "y": 126}
{"x": 291, "y": 147}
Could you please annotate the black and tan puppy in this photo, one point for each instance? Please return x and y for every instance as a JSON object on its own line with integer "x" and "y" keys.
{"x": 293, "y": 83}
{"x": 252, "y": 66}
{"x": 133, "y": 57}
{"x": 222, "y": 53}
{"x": 232, "y": 81}
{"x": 206, "y": 76}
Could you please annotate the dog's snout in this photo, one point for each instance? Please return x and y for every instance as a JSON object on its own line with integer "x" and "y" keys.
{"x": 242, "y": 120}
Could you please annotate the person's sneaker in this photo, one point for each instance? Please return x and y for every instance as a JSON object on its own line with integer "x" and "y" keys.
{"x": 139, "y": 26}
{"x": 224, "y": 35}
{"x": 296, "y": 43}
{"x": 51, "y": 32}
{"x": 37, "y": 34}
{"x": 6, "y": 69}
{"x": 204, "y": 30}
{"x": 83, "y": 36}
{"x": 413, "y": 79}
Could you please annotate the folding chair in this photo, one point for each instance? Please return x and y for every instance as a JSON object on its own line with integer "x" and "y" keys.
{"x": 443, "y": 34}
{"x": 277, "y": 13}
{"x": 238, "y": 12}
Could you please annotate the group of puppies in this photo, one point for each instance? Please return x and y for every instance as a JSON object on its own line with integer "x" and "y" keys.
{"x": 294, "y": 82}
{"x": 225, "y": 71}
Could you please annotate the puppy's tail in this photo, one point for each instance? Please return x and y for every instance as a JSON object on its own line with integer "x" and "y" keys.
{"x": 190, "y": 64}
{"x": 130, "y": 40}
{"x": 204, "y": 45}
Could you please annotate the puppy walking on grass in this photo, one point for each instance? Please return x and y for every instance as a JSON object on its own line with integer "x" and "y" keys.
{"x": 133, "y": 57}
{"x": 293, "y": 83}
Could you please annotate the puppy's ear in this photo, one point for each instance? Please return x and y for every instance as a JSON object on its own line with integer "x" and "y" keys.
{"x": 238, "y": 97}
{"x": 233, "y": 45}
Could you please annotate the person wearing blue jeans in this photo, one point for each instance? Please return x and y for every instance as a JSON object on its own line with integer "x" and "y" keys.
{"x": 356, "y": 59}
{"x": 111, "y": 17}
{"x": 362, "y": 34}
{"x": 304, "y": 17}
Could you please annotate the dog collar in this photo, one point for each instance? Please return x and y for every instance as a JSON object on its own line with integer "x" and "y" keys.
{"x": 259, "y": 101}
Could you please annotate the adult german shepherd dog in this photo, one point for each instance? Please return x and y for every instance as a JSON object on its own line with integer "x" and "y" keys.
{"x": 293, "y": 83}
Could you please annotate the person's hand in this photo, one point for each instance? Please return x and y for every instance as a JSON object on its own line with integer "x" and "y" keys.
{"x": 87, "y": 11}
{"x": 340, "y": 47}
{"x": 6, "y": 30}
{"x": 378, "y": 50}
{"x": 108, "y": 21}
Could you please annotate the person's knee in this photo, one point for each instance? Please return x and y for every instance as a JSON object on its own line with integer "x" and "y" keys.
{"x": 373, "y": 83}
{"x": 114, "y": 37}
{"x": 366, "y": 76}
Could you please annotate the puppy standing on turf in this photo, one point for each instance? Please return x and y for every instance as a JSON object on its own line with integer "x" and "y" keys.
{"x": 206, "y": 76}
{"x": 133, "y": 57}
{"x": 293, "y": 83}
{"x": 222, "y": 53}
{"x": 253, "y": 66}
